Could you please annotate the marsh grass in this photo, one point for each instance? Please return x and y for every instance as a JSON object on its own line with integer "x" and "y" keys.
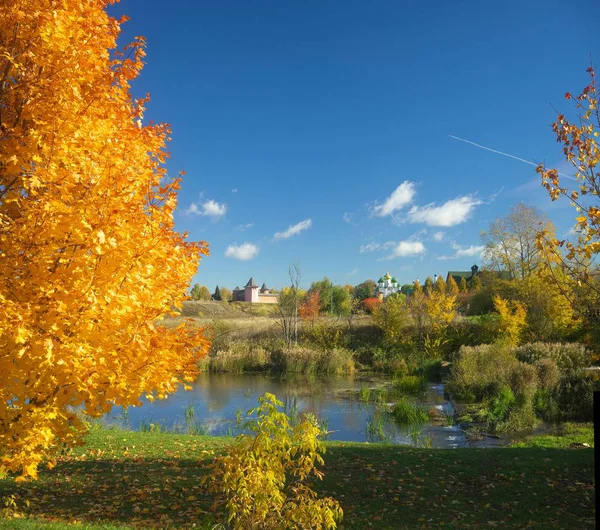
{"x": 375, "y": 429}
{"x": 272, "y": 356}
{"x": 406, "y": 412}
{"x": 410, "y": 384}
{"x": 419, "y": 437}
{"x": 364, "y": 394}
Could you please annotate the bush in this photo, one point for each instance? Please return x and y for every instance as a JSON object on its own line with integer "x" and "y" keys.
{"x": 479, "y": 368}
{"x": 548, "y": 373}
{"x": 521, "y": 416}
{"x": 523, "y": 380}
{"x": 545, "y": 405}
{"x": 263, "y": 476}
{"x": 569, "y": 357}
{"x": 324, "y": 335}
{"x": 408, "y": 413}
{"x": 480, "y": 304}
{"x": 371, "y": 304}
{"x": 499, "y": 405}
{"x": 431, "y": 370}
{"x": 473, "y": 331}
{"x": 575, "y": 398}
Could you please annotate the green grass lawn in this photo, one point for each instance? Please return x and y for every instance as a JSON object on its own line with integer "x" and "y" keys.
{"x": 124, "y": 479}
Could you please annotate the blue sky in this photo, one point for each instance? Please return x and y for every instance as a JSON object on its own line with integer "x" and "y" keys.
{"x": 318, "y": 131}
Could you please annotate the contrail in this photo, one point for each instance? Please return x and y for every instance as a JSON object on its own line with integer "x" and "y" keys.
{"x": 504, "y": 154}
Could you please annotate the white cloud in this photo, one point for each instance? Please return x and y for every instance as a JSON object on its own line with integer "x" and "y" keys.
{"x": 370, "y": 247}
{"x": 234, "y": 190}
{"x": 407, "y": 248}
{"x": 241, "y": 228}
{"x": 352, "y": 272}
{"x": 347, "y": 217}
{"x": 244, "y": 252}
{"x": 209, "y": 208}
{"x": 461, "y": 252}
{"x": 294, "y": 229}
{"x": 439, "y": 236}
{"x": 452, "y": 212}
{"x": 473, "y": 250}
{"x": 401, "y": 197}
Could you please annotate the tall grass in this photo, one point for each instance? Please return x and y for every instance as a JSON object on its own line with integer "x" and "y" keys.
{"x": 375, "y": 429}
{"x": 407, "y": 413}
{"x": 245, "y": 356}
{"x": 410, "y": 384}
{"x": 364, "y": 394}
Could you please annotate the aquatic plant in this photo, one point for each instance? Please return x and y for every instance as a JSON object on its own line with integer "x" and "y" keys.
{"x": 375, "y": 429}
{"x": 364, "y": 394}
{"x": 410, "y": 384}
{"x": 407, "y": 413}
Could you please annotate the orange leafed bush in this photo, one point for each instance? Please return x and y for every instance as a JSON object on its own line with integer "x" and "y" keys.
{"x": 370, "y": 304}
{"x": 309, "y": 310}
{"x": 89, "y": 258}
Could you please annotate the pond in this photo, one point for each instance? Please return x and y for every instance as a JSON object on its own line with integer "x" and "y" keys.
{"x": 217, "y": 404}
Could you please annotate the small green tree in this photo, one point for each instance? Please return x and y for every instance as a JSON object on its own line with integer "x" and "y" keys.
{"x": 476, "y": 284}
{"x": 406, "y": 288}
{"x": 462, "y": 286}
{"x": 217, "y": 295}
{"x": 226, "y": 294}
{"x": 428, "y": 287}
{"x": 324, "y": 287}
{"x": 264, "y": 474}
{"x": 365, "y": 290}
{"x": 451, "y": 287}
{"x": 200, "y": 292}
{"x": 392, "y": 317}
{"x": 440, "y": 285}
{"x": 342, "y": 301}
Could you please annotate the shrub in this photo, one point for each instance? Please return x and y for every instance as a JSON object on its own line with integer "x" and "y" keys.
{"x": 371, "y": 304}
{"x": 548, "y": 373}
{"x": 479, "y": 367}
{"x": 523, "y": 380}
{"x": 324, "y": 335}
{"x": 521, "y": 416}
{"x": 473, "y": 331}
{"x": 408, "y": 413}
{"x": 263, "y": 474}
{"x": 480, "y": 304}
{"x": 513, "y": 318}
{"x": 431, "y": 370}
{"x": 500, "y": 404}
{"x": 569, "y": 357}
{"x": 545, "y": 405}
{"x": 575, "y": 398}
{"x": 396, "y": 366}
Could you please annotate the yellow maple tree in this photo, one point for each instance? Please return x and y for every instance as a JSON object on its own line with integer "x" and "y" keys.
{"x": 512, "y": 318}
{"x": 89, "y": 258}
{"x": 579, "y": 138}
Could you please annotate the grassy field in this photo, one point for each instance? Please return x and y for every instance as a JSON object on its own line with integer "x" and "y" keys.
{"x": 123, "y": 479}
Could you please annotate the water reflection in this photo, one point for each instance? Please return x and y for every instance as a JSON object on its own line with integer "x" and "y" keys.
{"x": 218, "y": 400}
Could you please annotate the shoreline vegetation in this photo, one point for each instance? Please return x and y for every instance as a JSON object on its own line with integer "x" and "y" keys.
{"x": 501, "y": 387}
{"x": 124, "y": 479}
